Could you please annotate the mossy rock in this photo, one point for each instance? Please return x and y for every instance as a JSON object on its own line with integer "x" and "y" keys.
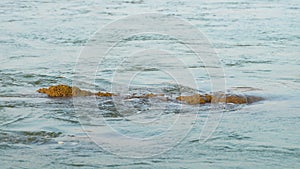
{"x": 68, "y": 91}
{"x": 64, "y": 91}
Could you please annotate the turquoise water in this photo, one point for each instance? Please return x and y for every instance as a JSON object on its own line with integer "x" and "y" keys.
{"x": 258, "y": 46}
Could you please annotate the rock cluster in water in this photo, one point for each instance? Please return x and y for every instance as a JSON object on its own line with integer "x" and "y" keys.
{"x": 67, "y": 91}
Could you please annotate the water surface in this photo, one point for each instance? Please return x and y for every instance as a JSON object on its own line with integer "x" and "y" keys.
{"x": 257, "y": 43}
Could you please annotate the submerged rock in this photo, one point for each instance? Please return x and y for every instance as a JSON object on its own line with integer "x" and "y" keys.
{"x": 219, "y": 98}
{"x": 68, "y": 91}
{"x": 194, "y": 99}
{"x": 104, "y": 94}
{"x": 146, "y": 96}
{"x": 78, "y": 92}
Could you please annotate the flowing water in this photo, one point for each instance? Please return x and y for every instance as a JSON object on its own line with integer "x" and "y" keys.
{"x": 257, "y": 43}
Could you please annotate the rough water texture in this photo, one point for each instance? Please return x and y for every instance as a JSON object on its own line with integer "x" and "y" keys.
{"x": 25, "y": 137}
{"x": 258, "y": 43}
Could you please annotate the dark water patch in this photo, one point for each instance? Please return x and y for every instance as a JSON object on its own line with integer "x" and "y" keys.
{"x": 249, "y": 45}
{"x": 133, "y": 2}
{"x": 145, "y": 37}
{"x": 16, "y": 119}
{"x": 41, "y": 133}
{"x": 244, "y": 89}
{"x": 77, "y": 165}
{"x": 294, "y": 8}
{"x": 140, "y": 68}
{"x": 27, "y": 137}
{"x": 278, "y": 151}
{"x": 64, "y": 36}
{"x": 69, "y": 41}
{"x": 8, "y": 105}
{"x": 112, "y": 115}
{"x": 228, "y": 136}
{"x": 17, "y": 104}
{"x": 237, "y": 137}
{"x": 23, "y": 56}
{"x": 265, "y": 70}
{"x": 245, "y": 62}
{"x": 65, "y": 119}
{"x": 4, "y": 146}
{"x": 66, "y": 115}
{"x": 23, "y": 101}
{"x": 259, "y": 61}
{"x": 62, "y": 106}
{"x": 7, "y": 41}
{"x": 13, "y": 20}
{"x": 11, "y": 94}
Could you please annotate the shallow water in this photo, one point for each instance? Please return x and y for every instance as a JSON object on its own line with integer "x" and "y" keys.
{"x": 257, "y": 43}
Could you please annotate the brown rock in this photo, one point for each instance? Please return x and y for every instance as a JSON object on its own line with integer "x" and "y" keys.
{"x": 64, "y": 91}
{"x": 252, "y": 99}
{"x": 67, "y": 91}
{"x": 208, "y": 98}
{"x": 194, "y": 99}
{"x": 236, "y": 99}
{"x": 104, "y": 94}
{"x": 57, "y": 91}
{"x": 218, "y": 98}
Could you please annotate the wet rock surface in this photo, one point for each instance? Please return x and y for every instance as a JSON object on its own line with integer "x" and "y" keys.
{"x": 194, "y": 99}
{"x": 219, "y": 98}
{"x": 105, "y": 94}
{"x": 68, "y": 91}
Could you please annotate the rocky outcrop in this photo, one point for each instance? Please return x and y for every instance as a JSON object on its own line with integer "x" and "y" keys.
{"x": 219, "y": 98}
{"x": 67, "y": 91}
{"x": 195, "y": 99}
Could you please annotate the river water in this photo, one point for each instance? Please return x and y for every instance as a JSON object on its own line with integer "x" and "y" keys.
{"x": 257, "y": 43}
